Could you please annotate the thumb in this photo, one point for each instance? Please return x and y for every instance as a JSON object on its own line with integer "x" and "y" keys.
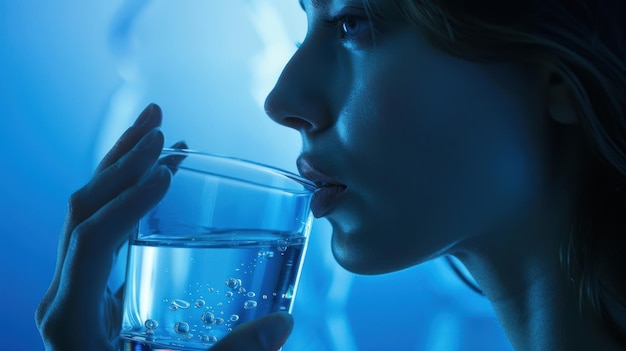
{"x": 268, "y": 333}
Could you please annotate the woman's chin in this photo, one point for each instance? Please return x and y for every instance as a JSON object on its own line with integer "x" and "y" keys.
{"x": 357, "y": 253}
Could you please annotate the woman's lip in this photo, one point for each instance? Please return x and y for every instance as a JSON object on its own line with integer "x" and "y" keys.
{"x": 310, "y": 172}
{"x": 325, "y": 198}
{"x": 329, "y": 192}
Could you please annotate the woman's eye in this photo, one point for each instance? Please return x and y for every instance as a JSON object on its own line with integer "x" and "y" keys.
{"x": 352, "y": 26}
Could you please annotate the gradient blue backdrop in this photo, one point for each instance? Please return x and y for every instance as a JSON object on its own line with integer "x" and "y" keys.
{"x": 73, "y": 76}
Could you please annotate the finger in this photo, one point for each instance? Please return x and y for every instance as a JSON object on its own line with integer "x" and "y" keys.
{"x": 90, "y": 251}
{"x": 179, "y": 145}
{"x": 103, "y": 187}
{"x": 172, "y": 164}
{"x": 268, "y": 333}
{"x": 116, "y": 178}
{"x": 150, "y": 118}
{"x": 123, "y": 174}
{"x": 173, "y": 161}
{"x": 89, "y": 260}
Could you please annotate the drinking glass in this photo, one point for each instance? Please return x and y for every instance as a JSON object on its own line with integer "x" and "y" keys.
{"x": 224, "y": 246}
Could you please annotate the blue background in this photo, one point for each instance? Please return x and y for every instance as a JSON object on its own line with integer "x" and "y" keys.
{"x": 74, "y": 74}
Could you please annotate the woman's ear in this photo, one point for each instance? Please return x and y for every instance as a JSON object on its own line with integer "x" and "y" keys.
{"x": 561, "y": 101}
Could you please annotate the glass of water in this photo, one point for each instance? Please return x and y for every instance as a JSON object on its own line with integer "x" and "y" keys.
{"x": 224, "y": 246}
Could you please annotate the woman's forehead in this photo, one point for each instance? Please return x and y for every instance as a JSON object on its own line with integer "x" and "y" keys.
{"x": 326, "y": 4}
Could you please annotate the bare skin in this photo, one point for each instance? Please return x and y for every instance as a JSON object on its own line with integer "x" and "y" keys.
{"x": 443, "y": 156}
{"x": 438, "y": 155}
{"x": 534, "y": 301}
{"x": 78, "y": 312}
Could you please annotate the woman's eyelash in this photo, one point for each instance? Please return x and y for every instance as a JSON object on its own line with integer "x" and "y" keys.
{"x": 350, "y": 25}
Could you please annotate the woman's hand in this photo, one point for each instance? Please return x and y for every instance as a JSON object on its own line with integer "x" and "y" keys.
{"x": 267, "y": 333}
{"x": 78, "y": 312}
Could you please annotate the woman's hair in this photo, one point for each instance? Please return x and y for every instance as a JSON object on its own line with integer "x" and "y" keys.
{"x": 585, "y": 42}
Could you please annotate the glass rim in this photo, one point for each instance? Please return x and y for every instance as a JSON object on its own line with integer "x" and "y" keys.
{"x": 306, "y": 183}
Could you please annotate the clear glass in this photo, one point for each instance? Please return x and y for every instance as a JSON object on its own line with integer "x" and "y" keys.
{"x": 224, "y": 246}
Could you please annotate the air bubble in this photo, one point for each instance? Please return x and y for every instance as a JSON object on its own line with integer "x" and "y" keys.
{"x": 208, "y": 338}
{"x": 264, "y": 297}
{"x": 218, "y": 321}
{"x": 199, "y": 303}
{"x": 242, "y": 290}
{"x": 211, "y": 290}
{"x": 251, "y": 294}
{"x": 233, "y": 318}
{"x": 208, "y": 317}
{"x": 181, "y": 328}
{"x": 228, "y": 294}
{"x": 250, "y": 304}
{"x": 233, "y": 283}
{"x": 282, "y": 245}
{"x": 266, "y": 254}
{"x": 180, "y": 303}
{"x": 172, "y": 308}
{"x": 151, "y": 324}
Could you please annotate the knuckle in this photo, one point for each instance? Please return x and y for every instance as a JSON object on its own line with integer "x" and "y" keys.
{"x": 86, "y": 242}
{"x": 89, "y": 240}
{"x": 78, "y": 203}
{"x": 51, "y": 328}
{"x": 40, "y": 313}
{"x": 82, "y": 238}
{"x": 117, "y": 165}
{"x": 76, "y": 200}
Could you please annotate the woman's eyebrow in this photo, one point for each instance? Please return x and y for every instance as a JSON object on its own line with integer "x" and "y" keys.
{"x": 316, "y": 4}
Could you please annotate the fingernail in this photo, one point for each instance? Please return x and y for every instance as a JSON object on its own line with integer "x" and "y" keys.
{"x": 179, "y": 145}
{"x": 147, "y": 141}
{"x": 273, "y": 332}
{"x": 145, "y": 115}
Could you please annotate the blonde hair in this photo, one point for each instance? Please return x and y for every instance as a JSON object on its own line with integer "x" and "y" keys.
{"x": 585, "y": 42}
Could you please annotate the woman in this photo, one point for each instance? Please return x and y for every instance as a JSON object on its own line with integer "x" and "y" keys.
{"x": 492, "y": 131}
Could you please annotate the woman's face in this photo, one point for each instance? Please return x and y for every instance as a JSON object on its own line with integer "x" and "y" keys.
{"x": 429, "y": 149}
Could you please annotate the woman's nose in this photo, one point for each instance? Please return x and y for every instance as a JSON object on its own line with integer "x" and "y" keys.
{"x": 300, "y": 98}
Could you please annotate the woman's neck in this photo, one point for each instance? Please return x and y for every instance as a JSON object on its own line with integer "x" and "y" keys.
{"x": 534, "y": 300}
